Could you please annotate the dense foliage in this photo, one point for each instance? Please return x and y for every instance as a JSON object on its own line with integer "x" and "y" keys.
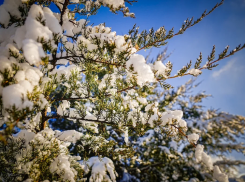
{"x": 79, "y": 103}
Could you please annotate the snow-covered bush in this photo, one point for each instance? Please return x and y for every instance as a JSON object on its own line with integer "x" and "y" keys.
{"x": 79, "y": 103}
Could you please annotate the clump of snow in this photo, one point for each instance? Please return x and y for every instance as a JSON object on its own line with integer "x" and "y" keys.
{"x": 16, "y": 95}
{"x": 198, "y": 152}
{"x": 120, "y": 43}
{"x": 5, "y": 64}
{"x": 114, "y": 3}
{"x": 182, "y": 123}
{"x": 126, "y": 135}
{"x": 160, "y": 68}
{"x": 169, "y": 116}
{"x": 207, "y": 160}
{"x": 35, "y": 29}
{"x": 20, "y": 36}
{"x": 51, "y": 21}
{"x": 35, "y": 11}
{"x": 62, "y": 61}
{"x": 62, "y": 109}
{"x": 218, "y": 175}
{"x": 62, "y": 166}
{"x": 9, "y": 7}
{"x": 33, "y": 51}
{"x": 65, "y": 70}
{"x": 4, "y": 16}
{"x": 144, "y": 71}
{"x": 86, "y": 42}
{"x": 194, "y": 72}
{"x": 26, "y": 135}
{"x": 202, "y": 156}
{"x": 142, "y": 100}
{"x": 99, "y": 167}
{"x": 68, "y": 26}
{"x": 146, "y": 138}
{"x": 81, "y": 23}
{"x": 90, "y": 116}
{"x": 68, "y": 135}
{"x": 193, "y": 137}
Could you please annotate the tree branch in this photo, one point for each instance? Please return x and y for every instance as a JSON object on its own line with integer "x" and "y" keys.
{"x": 183, "y": 30}
{"x": 83, "y": 98}
{"x": 66, "y": 3}
{"x": 83, "y": 119}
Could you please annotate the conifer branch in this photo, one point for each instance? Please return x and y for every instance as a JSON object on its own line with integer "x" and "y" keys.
{"x": 222, "y": 56}
{"x": 188, "y": 23}
{"x": 81, "y": 119}
{"x": 84, "y": 98}
{"x": 182, "y": 133}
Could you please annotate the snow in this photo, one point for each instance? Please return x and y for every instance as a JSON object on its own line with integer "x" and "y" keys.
{"x": 61, "y": 166}
{"x": 114, "y": 3}
{"x": 4, "y": 16}
{"x": 88, "y": 5}
{"x": 6, "y": 36}
{"x": 207, "y": 160}
{"x": 5, "y": 64}
{"x": 182, "y": 123}
{"x": 32, "y": 76}
{"x": 26, "y": 85}
{"x": 165, "y": 149}
{"x": 1, "y": 88}
{"x": 146, "y": 138}
{"x": 198, "y": 152}
{"x": 194, "y": 72}
{"x": 33, "y": 51}
{"x": 99, "y": 167}
{"x": 142, "y": 100}
{"x": 144, "y": 71}
{"x": 26, "y": 135}
{"x": 160, "y": 68}
{"x": 62, "y": 61}
{"x": 193, "y": 137}
{"x": 87, "y": 43}
{"x": 126, "y": 135}
{"x": 9, "y": 7}
{"x": 168, "y": 116}
{"x": 51, "y": 21}
{"x": 218, "y": 175}
{"x": 120, "y": 43}
{"x": 62, "y": 109}
{"x": 90, "y": 116}
{"x": 12, "y": 95}
{"x": 68, "y": 135}
{"x": 65, "y": 70}
{"x": 34, "y": 29}
{"x": 35, "y": 11}
{"x": 78, "y": 28}
{"x": 68, "y": 26}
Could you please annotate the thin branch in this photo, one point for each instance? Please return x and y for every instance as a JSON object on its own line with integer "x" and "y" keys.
{"x": 209, "y": 63}
{"x": 66, "y": 3}
{"x": 182, "y": 31}
{"x": 83, "y": 98}
{"x": 82, "y": 119}
{"x": 182, "y": 133}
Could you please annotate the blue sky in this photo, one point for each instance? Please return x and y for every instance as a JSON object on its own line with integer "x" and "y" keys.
{"x": 225, "y": 26}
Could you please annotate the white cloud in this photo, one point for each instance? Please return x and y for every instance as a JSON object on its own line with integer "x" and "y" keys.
{"x": 228, "y": 67}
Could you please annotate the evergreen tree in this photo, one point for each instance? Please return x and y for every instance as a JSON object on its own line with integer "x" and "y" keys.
{"x": 78, "y": 103}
